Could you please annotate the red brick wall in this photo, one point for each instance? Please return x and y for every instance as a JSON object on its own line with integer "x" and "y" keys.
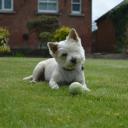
{"x": 16, "y": 21}
{"x": 81, "y": 23}
{"x": 25, "y": 10}
{"x": 105, "y": 36}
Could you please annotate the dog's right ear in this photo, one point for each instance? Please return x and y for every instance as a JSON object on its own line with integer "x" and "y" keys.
{"x": 53, "y": 47}
{"x": 73, "y": 35}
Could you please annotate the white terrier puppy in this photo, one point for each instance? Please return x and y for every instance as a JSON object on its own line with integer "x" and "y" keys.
{"x": 65, "y": 67}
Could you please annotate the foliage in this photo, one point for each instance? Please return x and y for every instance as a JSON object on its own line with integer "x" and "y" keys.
{"x": 44, "y": 38}
{"x": 43, "y": 26}
{"x": 27, "y": 105}
{"x": 120, "y": 19}
{"x": 4, "y": 37}
{"x": 4, "y": 49}
{"x": 61, "y": 33}
{"x": 25, "y": 36}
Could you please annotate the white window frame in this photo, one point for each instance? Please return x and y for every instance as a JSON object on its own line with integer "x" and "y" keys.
{"x": 47, "y": 11}
{"x": 76, "y": 12}
{"x": 3, "y": 9}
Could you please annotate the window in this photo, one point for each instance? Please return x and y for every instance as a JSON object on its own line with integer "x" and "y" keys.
{"x": 6, "y": 5}
{"x": 48, "y": 6}
{"x": 76, "y": 7}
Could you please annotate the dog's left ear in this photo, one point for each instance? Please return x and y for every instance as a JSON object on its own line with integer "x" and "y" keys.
{"x": 73, "y": 35}
{"x": 53, "y": 47}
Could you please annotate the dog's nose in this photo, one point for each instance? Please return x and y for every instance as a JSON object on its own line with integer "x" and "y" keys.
{"x": 73, "y": 60}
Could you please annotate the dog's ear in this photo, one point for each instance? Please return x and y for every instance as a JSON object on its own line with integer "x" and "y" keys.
{"x": 53, "y": 47}
{"x": 73, "y": 35}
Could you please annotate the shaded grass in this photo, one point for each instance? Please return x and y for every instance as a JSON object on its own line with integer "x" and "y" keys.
{"x": 24, "y": 105}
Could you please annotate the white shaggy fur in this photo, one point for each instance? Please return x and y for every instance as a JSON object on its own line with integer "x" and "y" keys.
{"x": 65, "y": 67}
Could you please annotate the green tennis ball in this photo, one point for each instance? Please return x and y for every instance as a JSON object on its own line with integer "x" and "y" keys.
{"x": 76, "y": 88}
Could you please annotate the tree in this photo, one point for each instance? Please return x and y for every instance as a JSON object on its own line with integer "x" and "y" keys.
{"x": 43, "y": 26}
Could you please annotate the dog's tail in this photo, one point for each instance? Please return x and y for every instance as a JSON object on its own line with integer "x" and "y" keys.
{"x": 28, "y": 78}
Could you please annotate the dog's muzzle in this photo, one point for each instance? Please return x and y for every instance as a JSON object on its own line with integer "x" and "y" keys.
{"x": 68, "y": 69}
{"x": 73, "y": 60}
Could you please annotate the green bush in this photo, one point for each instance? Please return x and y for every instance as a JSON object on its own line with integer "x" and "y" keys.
{"x": 4, "y": 37}
{"x": 43, "y": 26}
{"x": 60, "y": 33}
{"x": 44, "y": 38}
{"x": 4, "y": 49}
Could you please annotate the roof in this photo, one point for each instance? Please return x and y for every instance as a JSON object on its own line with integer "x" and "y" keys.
{"x": 122, "y": 4}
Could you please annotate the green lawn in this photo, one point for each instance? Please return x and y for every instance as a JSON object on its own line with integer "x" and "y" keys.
{"x": 24, "y": 105}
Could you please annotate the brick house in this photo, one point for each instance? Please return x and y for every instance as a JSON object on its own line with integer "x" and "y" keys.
{"x": 14, "y": 14}
{"x": 107, "y": 38}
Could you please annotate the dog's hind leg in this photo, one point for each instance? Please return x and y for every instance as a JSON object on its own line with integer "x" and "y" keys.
{"x": 39, "y": 73}
{"x": 28, "y": 78}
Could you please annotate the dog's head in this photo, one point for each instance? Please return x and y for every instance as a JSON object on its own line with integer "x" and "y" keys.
{"x": 68, "y": 53}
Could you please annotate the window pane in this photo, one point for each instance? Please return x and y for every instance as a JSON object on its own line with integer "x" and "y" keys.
{"x": 52, "y": 7}
{"x": 48, "y": 6}
{"x": 42, "y": 0}
{"x": 48, "y": 1}
{"x": 52, "y": 0}
{"x": 76, "y": 1}
{"x": 7, "y": 4}
{"x": 76, "y": 7}
{"x": 43, "y": 6}
{"x": 0, "y": 4}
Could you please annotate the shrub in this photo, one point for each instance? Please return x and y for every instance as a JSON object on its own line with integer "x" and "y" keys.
{"x": 60, "y": 33}
{"x": 25, "y": 36}
{"x": 4, "y": 37}
{"x": 44, "y": 38}
{"x": 43, "y": 26}
{"x": 4, "y": 49}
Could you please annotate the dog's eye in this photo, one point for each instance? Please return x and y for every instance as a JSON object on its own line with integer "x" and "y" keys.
{"x": 64, "y": 54}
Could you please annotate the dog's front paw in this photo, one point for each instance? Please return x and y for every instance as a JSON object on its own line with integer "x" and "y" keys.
{"x": 53, "y": 85}
{"x": 85, "y": 88}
